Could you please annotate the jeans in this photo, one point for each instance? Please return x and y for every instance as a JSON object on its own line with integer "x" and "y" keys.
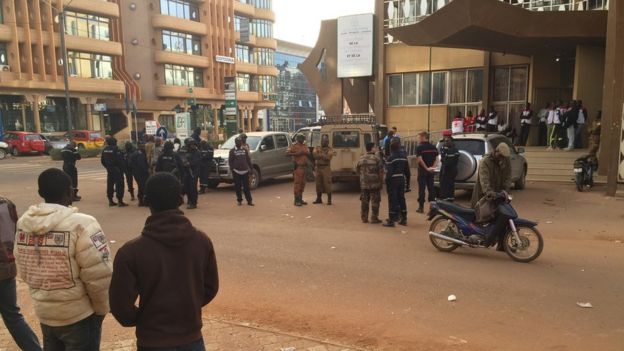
{"x": 571, "y": 135}
{"x": 195, "y": 346}
{"x": 241, "y": 184}
{"x": 578, "y": 136}
{"x": 13, "y": 319}
{"x": 81, "y": 336}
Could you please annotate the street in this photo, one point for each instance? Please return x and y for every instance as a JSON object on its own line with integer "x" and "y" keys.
{"x": 318, "y": 272}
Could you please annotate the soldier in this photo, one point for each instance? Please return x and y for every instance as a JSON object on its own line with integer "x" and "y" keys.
{"x": 207, "y": 154}
{"x": 397, "y": 181}
{"x": 448, "y": 170}
{"x": 140, "y": 170}
{"x": 371, "y": 169}
{"x": 149, "y": 152}
{"x": 299, "y": 153}
{"x": 323, "y": 155}
{"x": 191, "y": 172}
{"x": 169, "y": 161}
{"x": 112, "y": 160}
{"x": 128, "y": 150}
{"x": 70, "y": 156}
{"x": 243, "y": 138}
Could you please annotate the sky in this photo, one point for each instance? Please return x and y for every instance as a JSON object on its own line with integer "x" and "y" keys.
{"x": 299, "y": 21}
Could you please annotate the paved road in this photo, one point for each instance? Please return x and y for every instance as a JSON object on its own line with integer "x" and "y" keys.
{"x": 318, "y": 271}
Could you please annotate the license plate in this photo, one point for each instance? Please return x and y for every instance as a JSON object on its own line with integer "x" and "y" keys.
{"x": 578, "y": 170}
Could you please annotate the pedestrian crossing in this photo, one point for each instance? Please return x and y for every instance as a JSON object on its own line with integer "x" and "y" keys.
{"x": 26, "y": 169}
{"x": 96, "y": 175}
{"x": 21, "y": 168}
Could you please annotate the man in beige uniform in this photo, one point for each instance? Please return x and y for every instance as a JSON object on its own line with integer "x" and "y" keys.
{"x": 322, "y": 156}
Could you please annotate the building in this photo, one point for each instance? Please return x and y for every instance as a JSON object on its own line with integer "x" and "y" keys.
{"x": 436, "y": 57}
{"x": 296, "y": 104}
{"x": 144, "y": 60}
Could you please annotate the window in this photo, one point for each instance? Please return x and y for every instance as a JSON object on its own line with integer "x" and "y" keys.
{"x": 264, "y": 57}
{"x": 268, "y": 143}
{"x": 86, "y": 65}
{"x": 88, "y": 26}
{"x": 424, "y": 88}
{"x": 350, "y": 139}
{"x": 438, "y": 95}
{"x": 262, "y": 28}
{"x": 395, "y": 90}
{"x": 243, "y": 82}
{"x": 265, "y": 84}
{"x": 181, "y": 42}
{"x": 32, "y": 137}
{"x": 501, "y": 84}
{"x": 238, "y": 20}
{"x": 511, "y": 84}
{"x": 474, "y": 89}
{"x": 3, "y": 55}
{"x": 243, "y": 53}
{"x": 472, "y": 146}
{"x": 282, "y": 141}
{"x": 183, "y": 76}
{"x": 410, "y": 91}
{"x": 458, "y": 87}
{"x": 180, "y": 9}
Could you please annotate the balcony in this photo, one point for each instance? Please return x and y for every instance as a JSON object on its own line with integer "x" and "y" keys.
{"x": 244, "y": 9}
{"x": 179, "y": 24}
{"x": 248, "y": 96}
{"x": 83, "y": 44}
{"x": 94, "y": 7}
{"x": 265, "y": 14}
{"x": 10, "y": 80}
{"x": 268, "y": 43}
{"x": 267, "y": 70}
{"x": 182, "y": 92}
{"x": 245, "y": 67}
{"x": 181, "y": 59}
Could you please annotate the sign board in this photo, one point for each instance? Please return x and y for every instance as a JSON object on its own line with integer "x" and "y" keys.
{"x": 99, "y": 107}
{"x": 225, "y": 59}
{"x": 355, "y": 46}
{"x": 183, "y": 125}
{"x": 230, "y": 97}
{"x": 244, "y": 29}
{"x": 151, "y": 127}
{"x": 162, "y": 133}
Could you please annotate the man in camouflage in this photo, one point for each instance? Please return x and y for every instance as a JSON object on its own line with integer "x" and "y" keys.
{"x": 370, "y": 167}
{"x": 322, "y": 156}
{"x": 299, "y": 153}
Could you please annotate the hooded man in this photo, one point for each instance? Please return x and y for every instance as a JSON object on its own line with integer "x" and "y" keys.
{"x": 63, "y": 257}
{"x": 323, "y": 155}
{"x": 299, "y": 153}
{"x": 494, "y": 173}
{"x": 113, "y": 161}
{"x": 70, "y": 156}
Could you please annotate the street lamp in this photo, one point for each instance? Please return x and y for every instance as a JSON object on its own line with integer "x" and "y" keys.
{"x": 61, "y": 22}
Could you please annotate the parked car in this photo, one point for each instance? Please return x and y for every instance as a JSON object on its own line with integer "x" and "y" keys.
{"x": 472, "y": 148}
{"x": 56, "y": 141}
{"x": 86, "y": 140}
{"x": 268, "y": 156}
{"x": 5, "y": 149}
{"x": 22, "y": 143}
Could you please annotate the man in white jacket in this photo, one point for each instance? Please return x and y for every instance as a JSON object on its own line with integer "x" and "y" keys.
{"x": 63, "y": 256}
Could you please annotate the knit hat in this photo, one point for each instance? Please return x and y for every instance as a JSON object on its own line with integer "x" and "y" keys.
{"x": 503, "y": 150}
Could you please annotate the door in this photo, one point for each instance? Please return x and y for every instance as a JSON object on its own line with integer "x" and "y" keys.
{"x": 265, "y": 157}
{"x": 347, "y": 146}
{"x": 284, "y": 164}
{"x": 35, "y": 142}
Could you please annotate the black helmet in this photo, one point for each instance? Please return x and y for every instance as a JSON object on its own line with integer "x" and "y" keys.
{"x": 168, "y": 146}
{"x": 111, "y": 141}
{"x": 189, "y": 142}
{"x": 128, "y": 146}
{"x": 243, "y": 136}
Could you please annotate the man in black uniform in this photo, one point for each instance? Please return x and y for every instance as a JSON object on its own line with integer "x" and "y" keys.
{"x": 70, "y": 156}
{"x": 207, "y": 154}
{"x": 448, "y": 171}
{"x": 192, "y": 163}
{"x": 397, "y": 182}
{"x": 169, "y": 161}
{"x": 128, "y": 150}
{"x": 140, "y": 170}
{"x": 427, "y": 157}
{"x": 112, "y": 160}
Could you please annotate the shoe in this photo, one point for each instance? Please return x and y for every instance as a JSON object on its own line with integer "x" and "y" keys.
{"x": 122, "y": 204}
{"x": 302, "y": 202}
{"x": 389, "y": 224}
{"x": 329, "y": 199}
{"x": 318, "y": 201}
{"x": 111, "y": 203}
{"x": 191, "y": 207}
{"x": 76, "y": 198}
{"x": 420, "y": 210}
{"x": 403, "y": 222}
{"x": 364, "y": 220}
{"x": 375, "y": 220}
{"x": 239, "y": 203}
{"x": 250, "y": 204}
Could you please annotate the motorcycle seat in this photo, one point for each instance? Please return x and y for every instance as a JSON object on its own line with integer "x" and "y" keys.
{"x": 464, "y": 212}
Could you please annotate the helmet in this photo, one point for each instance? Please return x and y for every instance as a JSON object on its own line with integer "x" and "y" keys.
{"x": 168, "y": 145}
{"x": 111, "y": 141}
{"x": 189, "y": 142}
{"x": 243, "y": 136}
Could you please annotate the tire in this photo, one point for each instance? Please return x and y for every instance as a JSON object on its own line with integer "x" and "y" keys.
{"x": 254, "y": 179}
{"x": 466, "y": 166}
{"x": 440, "y": 244}
{"x": 15, "y": 152}
{"x": 523, "y": 232}
{"x": 213, "y": 183}
{"x": 3, "y": 154}
{"x": 579, "y": 179}
{"x": 521, "y": 183}
{"x": 81, "y": 147}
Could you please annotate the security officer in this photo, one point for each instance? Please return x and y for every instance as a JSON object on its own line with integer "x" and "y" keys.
{"x": 322, "y": 156}
{"x": 371, "y": 169}
{"x": 128, "y": 151}
{"x": 140, "y": 170}
{"x": 427, "y": 158}
{"x": 397, "y": 181}
{"x": 243, "y": 138}
{"x": 112, "y": 160}
{"x": 168, "y": 161}
{"x": 70, "y": 156}
{"x": 299, "y": 153}
{"x": 448, "y": 170}
{"x": 191, "y": 173}
{"x": 207, "y": 154}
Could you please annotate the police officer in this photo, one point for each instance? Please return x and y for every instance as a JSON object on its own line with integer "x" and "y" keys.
{"x": 128, "y": 151}
{"x": 427, "y": 158}
{"x": 371, "y": 169}
{"x": 140, "y": 170}
{"x": 70, "y": 156}
{"x": 322, "y": 156}
{"x": 207, "y": 154}
{"x": 192, "y": 164}
{"x": 299, "y": 153}
{"x": 169, "y": 161}
{"x": 113, "y": 161}
{"x": 448, "y": 170}
{"x": 397, "y": 182}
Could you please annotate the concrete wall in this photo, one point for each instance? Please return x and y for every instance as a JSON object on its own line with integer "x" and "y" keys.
{"x": 402, "y": 58}
{"x": 589, "y": 77}
{"x": 413, "y": 119}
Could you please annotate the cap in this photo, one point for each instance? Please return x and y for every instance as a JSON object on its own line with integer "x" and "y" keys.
{"x": 503, "y": 150}
{"x": 447, "y": 133}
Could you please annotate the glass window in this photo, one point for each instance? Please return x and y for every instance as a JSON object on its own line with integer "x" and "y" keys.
{"x": 458, "y": 87}
{"x": 501, "y": 84}
{"x": 439, "y": 88}
{"x": 268, "y": 143}
{"x": 183, "y": 76}
{"x": 264, "y": 57}
{"x": 88, "y": 26}
{"x": 3, "y": 55}
{"x": 282, "y": 141}
{"x": 243, "y": 53}
{"x": 262, "y": 28}
{"x": 243, "y": 82}
{"x": 518, "y": 83}
{"x": 180, "y": 8}
{"x": 181, "y": 42}
{"x": 472, "y": 146}
{"x": 86, "y": 65}
{"x": 349, "y": 139}
{"x": 475, "y": 85}
{"x": 264, "y": 84}
{"x": 410, "y": 89}
{"x": 395, "y": 90}
{"x": 424, "y": 88}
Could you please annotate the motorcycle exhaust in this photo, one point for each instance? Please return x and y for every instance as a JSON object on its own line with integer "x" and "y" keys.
{"x": 448, "y": 238}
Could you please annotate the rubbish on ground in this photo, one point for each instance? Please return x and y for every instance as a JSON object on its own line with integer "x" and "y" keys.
{"x": 333, "y": 247}
{"x": 452, "y": 298}
{"x": 618, "y": 241}
{"x": 308, "y": 217}
{"x": 278, "y": 197}
{"x": 548, "y": 222}
{"x": 584, "y": 304}
{"x": 403, "y": 232}
{"x": 113, "y": 241}
{"x": 290, "y": 348}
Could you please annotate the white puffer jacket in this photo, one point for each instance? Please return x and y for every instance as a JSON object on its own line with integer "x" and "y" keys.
{"x": 63, "y": 256}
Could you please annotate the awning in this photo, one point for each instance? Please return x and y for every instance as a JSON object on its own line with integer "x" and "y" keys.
{"x": 492, "y": 25}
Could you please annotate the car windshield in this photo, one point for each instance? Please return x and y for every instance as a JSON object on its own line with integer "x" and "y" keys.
{"x": 253, "y": 142}
{"x": 347, "y": 139}
{"x": 95, "y": 136}
{"x": 472, "y": 146}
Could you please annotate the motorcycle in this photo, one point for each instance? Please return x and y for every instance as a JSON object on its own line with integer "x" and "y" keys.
{"x": 584, "y": 168}
{"x": 454, "y": 226}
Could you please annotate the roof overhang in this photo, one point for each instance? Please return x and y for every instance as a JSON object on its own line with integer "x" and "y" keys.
{"x": 492, "y": 25}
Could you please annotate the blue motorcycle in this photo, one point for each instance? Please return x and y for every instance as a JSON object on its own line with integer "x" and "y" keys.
{"x": 454, "y": 226}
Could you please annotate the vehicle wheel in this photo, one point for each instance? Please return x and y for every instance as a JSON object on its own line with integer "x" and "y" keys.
{"x": 15, "y": 152}
{"x": 3, "y": 154}
{"x": 81, "y": 147}
{"x": 466, "y": 167}
{"x": 440, "y": 225}
{"x": 521, "y": 183}
{"x": 578, "y": 178}
{"x": 213, "y": 183}
{"x": 254, "y": 179}
{"x": 529, "y": 249}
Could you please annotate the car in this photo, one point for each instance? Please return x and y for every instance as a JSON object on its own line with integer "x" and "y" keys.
{"x": 23, "y": 143}
{"x": 57, "y": 142}
{"x": 85, "y": 139}
{"x": 268, "y": 157}
{"x": 5, "y": 149}
{"x": 472, "y": 148}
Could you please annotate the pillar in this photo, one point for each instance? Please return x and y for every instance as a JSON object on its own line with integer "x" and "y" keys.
{"x": 215, "y": 123}
{"x": 380, "y": 64}
{"x": 36, "y": 116}
{"x": 248, "y": 116}
{"x": 254, "y": 124}
{"x": 89, "y": 108}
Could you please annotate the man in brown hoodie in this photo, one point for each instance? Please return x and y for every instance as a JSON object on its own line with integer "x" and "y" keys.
{"x": 171, "y": 267}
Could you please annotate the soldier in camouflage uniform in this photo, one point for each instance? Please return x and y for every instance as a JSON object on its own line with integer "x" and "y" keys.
{"x": 323, "y": 155}
{"x": 370, "y": 167}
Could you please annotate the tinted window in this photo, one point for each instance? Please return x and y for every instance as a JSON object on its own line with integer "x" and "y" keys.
{"x": 368, "y": 138}
{"x": 282, "y": 141}
{"x": 252, "y": 141}
{"x": 95, "y": 136}
{"x": 316, "y": 138}
{"x": 349, "y": 139}
{"x": 32, "y": 137}
{"x": 269, "y": 143}
{"x": 475, "y": 147}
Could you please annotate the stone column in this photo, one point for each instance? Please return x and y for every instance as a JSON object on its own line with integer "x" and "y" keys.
{"x": 215, "y": 123}
{"x": 89, "y": 108}
{"x": 254, "y": 116}
{"x": 248, "y": 115}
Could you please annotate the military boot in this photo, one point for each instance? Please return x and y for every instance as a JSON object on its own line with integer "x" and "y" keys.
{"x": 120, "y": 202}
{"x": 329, "y": 202}
{"x": 319, "y": 199}
{"x": 76, "y": 197}
{"x": 364, "y": 218}
{"x": 301, "y": 200}
{"x": 298, "y": 201}
{"x": 131, "y": 194}
{"x": 111, "y": 203}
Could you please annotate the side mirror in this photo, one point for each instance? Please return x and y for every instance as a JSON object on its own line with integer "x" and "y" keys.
{"x": 263, "y": 147}
{"x": 521, "y": 150}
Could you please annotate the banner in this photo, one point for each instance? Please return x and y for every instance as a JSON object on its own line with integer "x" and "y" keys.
{"x": 355, "y": 46}
{"x": 183, "y": 125}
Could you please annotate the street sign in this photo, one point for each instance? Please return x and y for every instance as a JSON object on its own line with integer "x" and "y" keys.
{"x": 162, "y": 133}
{"x": 183, "y": 125}
{"x": 99, "y": 107}
{"x": 225, "y": 59}
{"x": 151, "y": 127}
{"x": 230, "y": 97}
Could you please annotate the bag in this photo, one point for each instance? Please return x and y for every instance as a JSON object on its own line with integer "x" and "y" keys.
{"x": 486, "y": 210}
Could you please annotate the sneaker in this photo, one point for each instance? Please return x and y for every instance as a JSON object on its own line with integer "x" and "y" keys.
{"x": 191, "y": 206}
{"x": 250, "y": 204}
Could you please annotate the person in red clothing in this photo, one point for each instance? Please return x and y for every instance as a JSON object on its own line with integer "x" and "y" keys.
{"x": 171, "y": 267}
{"x": 469, "y": 122}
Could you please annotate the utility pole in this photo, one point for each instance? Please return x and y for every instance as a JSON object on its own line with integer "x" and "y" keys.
{"x": 70, "y": 123}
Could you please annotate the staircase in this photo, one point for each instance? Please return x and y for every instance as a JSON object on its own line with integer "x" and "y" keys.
{"x": 554, "y": 166}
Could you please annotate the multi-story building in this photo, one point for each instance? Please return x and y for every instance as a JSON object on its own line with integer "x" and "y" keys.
{"x": 296, "y": 104}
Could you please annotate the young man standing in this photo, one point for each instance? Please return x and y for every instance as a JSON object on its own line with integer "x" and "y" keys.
{"x": 240, "y": 165}
{"x": 526, "y": 120}
{"x": 70, "y": 156}
{"x": 63, "y": 256}
{"x": 371, "y": 170}
{"x": 427, "y": 157}
{"x": 113, "y": 161}
{"x": 299, "y": 153}
{"x": 323, "y": 155}
{"x": 397, "y": 182}
{"x": 171, "y": 268}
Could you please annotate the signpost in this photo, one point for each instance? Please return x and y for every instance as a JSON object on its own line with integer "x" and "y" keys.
{"x": 355, "y": 46}
{"x": 225, "y": 59}
{"x": 183, "y": 125}
{"x": 151, "y": 127}
{"x": 231, "y": 107}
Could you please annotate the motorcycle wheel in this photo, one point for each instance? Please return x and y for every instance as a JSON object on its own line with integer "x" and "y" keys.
{"x": 578, "y": 178}
{"x": 531, "y": 245}
{"x": 439, "y": 225}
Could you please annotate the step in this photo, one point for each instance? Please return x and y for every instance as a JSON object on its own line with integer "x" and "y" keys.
{"x": 561, "y": 166}
{"x": 554, "y": 172}
{"x": 560, "y": 179}
{"x": 555, "y": 155}
{"x": 547, "y": 161}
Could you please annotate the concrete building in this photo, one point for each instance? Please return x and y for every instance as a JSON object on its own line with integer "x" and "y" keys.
{"x": 146, "y": 59}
